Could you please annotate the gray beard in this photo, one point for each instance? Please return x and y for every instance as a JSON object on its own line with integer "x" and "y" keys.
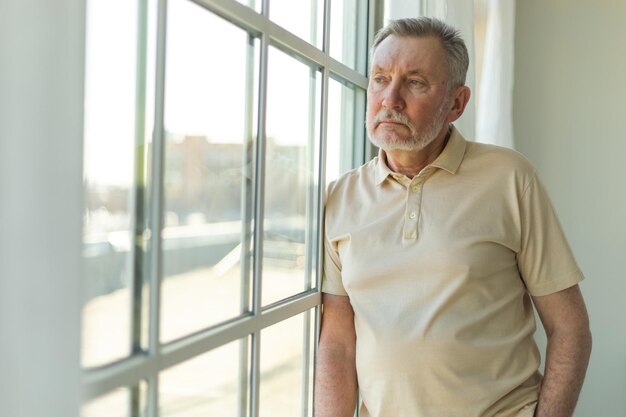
{"x": 417, "y": 140}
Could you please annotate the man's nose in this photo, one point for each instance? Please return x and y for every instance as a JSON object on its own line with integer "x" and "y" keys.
{"x": 392, "y": 98}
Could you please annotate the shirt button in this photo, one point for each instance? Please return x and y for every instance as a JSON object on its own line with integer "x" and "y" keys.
{"x": 415, "y": 188}
{"x": 413, "y": 215}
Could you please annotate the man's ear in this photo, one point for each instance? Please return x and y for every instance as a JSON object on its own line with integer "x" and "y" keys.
{"x": 460, "y": 98}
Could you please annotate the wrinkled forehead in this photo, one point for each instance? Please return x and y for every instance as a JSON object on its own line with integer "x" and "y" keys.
{"x": 409, "y": 51}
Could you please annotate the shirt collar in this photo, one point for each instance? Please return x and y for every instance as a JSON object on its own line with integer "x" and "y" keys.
{"x": 382, "y": 169}
{"x": 450, "y": 158}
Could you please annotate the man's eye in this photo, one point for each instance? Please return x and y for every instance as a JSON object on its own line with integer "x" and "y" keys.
{"x": 379, "y": 80}
{"x": 417, "y": 83}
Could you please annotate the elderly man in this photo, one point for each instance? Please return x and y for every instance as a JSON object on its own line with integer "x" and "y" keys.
{"x": 434, "y": 250}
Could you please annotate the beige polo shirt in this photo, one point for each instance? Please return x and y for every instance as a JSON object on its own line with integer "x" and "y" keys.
{"x": 439, "y": 269}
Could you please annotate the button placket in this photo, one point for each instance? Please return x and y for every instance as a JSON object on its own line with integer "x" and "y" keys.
{"x": 413, "y": 203}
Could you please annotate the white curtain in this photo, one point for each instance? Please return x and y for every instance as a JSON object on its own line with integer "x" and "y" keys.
{"x": 494, "y": 117}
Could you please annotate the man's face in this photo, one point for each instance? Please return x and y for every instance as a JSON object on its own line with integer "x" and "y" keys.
{"x": 407, "y": 100}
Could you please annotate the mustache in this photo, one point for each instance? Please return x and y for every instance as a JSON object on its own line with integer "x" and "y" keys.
{"x": 396, "y": 116}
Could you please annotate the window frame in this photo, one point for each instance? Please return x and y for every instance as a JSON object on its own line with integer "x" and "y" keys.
{"x": 150, "y": 356}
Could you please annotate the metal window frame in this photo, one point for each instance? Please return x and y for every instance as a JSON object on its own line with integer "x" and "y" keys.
{"x": 158, "y": 357}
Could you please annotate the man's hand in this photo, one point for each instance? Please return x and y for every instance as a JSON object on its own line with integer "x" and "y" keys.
{"x": 335, "y": 379}
{"x": 565, "y": 320}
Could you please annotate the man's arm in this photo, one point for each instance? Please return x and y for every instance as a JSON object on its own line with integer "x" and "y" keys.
{"x": 335, "y": 379}
{"x": 565, "y": 320}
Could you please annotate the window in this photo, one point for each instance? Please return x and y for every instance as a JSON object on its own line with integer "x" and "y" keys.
{"x": 211, "y": 130}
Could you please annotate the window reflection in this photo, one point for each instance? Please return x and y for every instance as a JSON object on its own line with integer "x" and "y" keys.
{"x": 347, "y": 29}
{"x": 109, "y": 163}
{"x": 303, "y": 18}
{"x": 207, "y": 385}
{"x": 344, "y": 146}
{"x": 286, "y": 368}
{"x": 208, "y": 158}
{"x": 121, "y": 402}
{"x": 291, "y": 170}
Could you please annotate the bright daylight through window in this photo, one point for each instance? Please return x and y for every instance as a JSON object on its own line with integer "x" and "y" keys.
{"x": 211, "y": 130}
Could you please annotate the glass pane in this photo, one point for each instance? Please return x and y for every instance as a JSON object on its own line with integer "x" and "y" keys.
{"x": 290, "y": 176}
{"x": 122, "y": 402}
{"x": 253, "y": 4}
{"x": 345, "y": 138}
{"x": 208, "y": 385}
{"x": 208, "y": 185}
{"x": 109, "y": 152}
{"x": 286, "y": 367}
{"x": 303, "y": 18}
{"x": 347, "y": 31}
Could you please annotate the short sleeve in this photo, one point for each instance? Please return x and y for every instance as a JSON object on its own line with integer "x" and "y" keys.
{"x": 331, "y": 277}
{"x": 545, "y": 260}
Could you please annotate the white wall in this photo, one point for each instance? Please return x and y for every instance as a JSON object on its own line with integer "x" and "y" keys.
{"x": 41, "y": 101}
{"x": 569, "y": 110}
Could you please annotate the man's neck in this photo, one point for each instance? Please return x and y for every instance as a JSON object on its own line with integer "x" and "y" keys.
{"x": 411, "y": 163}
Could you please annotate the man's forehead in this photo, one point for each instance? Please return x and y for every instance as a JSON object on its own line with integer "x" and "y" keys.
{"x": 414, "y": 54}
{"x": 414, "y": 70}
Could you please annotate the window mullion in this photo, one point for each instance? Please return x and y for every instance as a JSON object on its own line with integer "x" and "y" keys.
{"x": 259, "y": 209}
{"x": 156, "y": 210}
{"x": 360, "y": 43}
{"x": 156, "y": 194}
{"x": 321, "y": 193}
{"x": 140, "y": 215}
{"x": 306, "y": 358}
{"x": 247, "y": 210}
{"x": 375, "y": 22}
